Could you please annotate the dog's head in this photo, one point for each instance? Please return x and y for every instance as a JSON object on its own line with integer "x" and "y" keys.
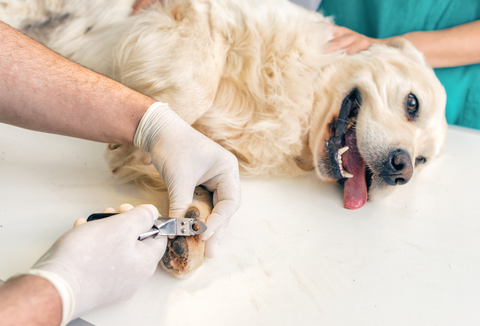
{"x": 388, "y": 108}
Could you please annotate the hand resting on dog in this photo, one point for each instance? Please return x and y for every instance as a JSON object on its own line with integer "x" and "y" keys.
{"x": 455, "y": 46}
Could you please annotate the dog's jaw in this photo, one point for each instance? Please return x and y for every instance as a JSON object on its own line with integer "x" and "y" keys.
{"x": 339, "y": 157}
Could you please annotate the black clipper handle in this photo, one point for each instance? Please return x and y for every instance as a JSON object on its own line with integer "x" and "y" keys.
{"x": 99, "y": 216}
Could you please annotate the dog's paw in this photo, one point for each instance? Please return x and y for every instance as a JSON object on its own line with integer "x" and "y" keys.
{"x": 119, "y": 156}
{"x": 185, "y": 254}
{"x": 132, "y": 165}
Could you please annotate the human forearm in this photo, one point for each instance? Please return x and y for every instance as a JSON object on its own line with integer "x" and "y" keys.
{"x": 456, "y": 46}
{"x": 41, "y": 90}
{"x": 29, "y": 300}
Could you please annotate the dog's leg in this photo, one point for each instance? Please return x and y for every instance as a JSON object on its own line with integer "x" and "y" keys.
{"x": 185, "y": 254}
{"x": 130, "y": 164}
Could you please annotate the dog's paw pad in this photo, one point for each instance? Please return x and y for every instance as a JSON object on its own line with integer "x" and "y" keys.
{"x": 176, "y": 255}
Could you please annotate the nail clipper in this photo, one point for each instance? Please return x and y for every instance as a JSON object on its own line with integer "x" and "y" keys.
{"x": 165, "y": 226}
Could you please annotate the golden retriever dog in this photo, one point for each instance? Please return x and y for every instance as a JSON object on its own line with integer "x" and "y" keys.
{"x": 252, "y": 75}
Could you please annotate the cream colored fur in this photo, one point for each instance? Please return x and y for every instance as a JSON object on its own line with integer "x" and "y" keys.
{"x": 250, "y": 74}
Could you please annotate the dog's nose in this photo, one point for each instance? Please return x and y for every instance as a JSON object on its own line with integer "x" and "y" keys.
{"x": 398, "y": 168}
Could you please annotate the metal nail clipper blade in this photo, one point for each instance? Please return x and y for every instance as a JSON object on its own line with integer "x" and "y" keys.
{"x": 164, "y": 226}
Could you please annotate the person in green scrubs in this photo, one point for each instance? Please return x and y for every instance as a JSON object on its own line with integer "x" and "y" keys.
{"x": 446, "y": 31}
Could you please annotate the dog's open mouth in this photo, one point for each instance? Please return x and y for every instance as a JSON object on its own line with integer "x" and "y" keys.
{"x": 347, "y": 165}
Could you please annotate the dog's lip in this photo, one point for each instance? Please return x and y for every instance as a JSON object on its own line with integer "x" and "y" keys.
{"x": 349, "y": 109}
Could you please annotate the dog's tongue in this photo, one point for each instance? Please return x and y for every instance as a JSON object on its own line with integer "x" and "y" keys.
{"x": 355, "y": 192}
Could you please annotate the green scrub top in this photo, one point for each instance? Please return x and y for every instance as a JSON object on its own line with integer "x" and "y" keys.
{"x": 386, "y": 18}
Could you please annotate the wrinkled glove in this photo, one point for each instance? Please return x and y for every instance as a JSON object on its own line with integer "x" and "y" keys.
{"x": 102, "y": 261}
{"x": 185, "y": 159}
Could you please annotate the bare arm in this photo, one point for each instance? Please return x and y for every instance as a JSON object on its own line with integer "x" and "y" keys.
{"x": 29, "y": 300}
{"x": 456, "y": 46}
{"x": 41, "y": 90}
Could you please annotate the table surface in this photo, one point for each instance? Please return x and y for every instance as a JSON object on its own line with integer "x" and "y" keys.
{"x": 291, "y": 255}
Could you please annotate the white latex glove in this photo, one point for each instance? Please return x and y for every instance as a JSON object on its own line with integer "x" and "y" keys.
{"x": 102, "y": 261}
{"x": 185, "y": 158}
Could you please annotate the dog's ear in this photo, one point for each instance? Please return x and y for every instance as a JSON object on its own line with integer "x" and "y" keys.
{"x": 408, "y": 48}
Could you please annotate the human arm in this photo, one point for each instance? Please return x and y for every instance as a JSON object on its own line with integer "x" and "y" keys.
{"x": 92, "y": 265}
{"x": 455, "y": 46}
{"x": 29, "y": 300}
{"x": 43, "y": 91}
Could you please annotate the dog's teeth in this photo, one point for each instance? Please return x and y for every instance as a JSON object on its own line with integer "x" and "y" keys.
{"x": 351, "y": 122}
{"x": 340, "y": 163}
{"x": 342, "y": 150}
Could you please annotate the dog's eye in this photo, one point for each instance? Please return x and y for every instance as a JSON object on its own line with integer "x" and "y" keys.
{"x": 420, "y": 160}
{"x": 411, "y": 107}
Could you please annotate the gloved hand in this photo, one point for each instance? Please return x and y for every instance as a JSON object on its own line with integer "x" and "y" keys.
{"x": 185, "y": 159}
{"x": 102, "y": 261}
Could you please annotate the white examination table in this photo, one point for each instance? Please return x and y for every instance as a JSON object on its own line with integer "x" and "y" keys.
{"x": 292, "y": 255}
